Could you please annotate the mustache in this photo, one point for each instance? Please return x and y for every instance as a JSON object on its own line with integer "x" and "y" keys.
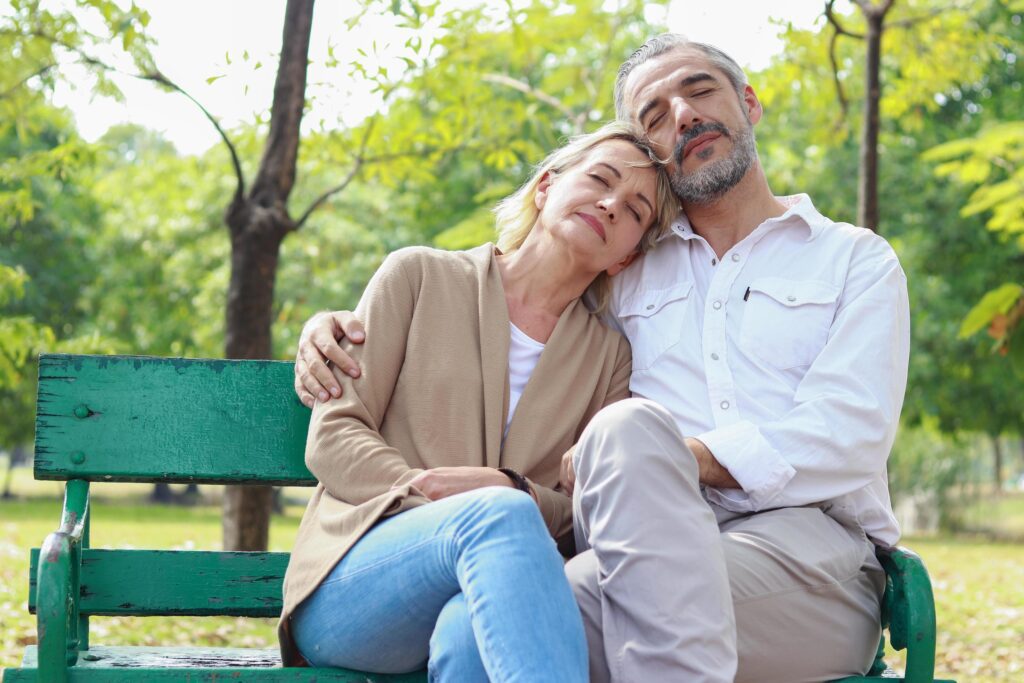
{"x": 693, "y": 133}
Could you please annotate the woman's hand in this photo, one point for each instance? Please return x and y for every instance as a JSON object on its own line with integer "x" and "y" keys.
{"x": 442, "y": 482}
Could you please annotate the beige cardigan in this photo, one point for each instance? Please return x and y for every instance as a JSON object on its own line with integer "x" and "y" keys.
{"x": 434, "y": 392}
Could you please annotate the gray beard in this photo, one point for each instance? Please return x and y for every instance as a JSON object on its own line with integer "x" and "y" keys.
{"x": 711, "y": 181}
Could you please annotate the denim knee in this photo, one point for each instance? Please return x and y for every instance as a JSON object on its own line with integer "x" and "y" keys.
{"x": 501, "y": 511}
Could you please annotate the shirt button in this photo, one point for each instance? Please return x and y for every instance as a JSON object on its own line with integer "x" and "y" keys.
{"x": 650, "y": 307}
{"x": 714, "y": 356}
{"x": 724, "y": 405}
{"x": 735, "y": 257}
{"x": 790, "y": 298}
{"x": 716, "y": 305}
{"x": 714, "y": 262}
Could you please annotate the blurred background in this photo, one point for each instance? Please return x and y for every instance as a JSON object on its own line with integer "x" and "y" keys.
{"x": 148, "y": 165}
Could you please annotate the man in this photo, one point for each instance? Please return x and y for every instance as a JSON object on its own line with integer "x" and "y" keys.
{"x": 728, "y": 515}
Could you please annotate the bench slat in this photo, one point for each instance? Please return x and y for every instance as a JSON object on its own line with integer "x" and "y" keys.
{"x": 180, "y": 664}
{"x": 177, "y": 582}
{"x": 132, "y": 418}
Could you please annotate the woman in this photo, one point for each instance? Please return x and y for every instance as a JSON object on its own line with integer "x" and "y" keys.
{"x": 485, "y": 367}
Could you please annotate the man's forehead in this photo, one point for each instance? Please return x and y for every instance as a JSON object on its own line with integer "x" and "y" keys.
{"x": 643, "y": 82}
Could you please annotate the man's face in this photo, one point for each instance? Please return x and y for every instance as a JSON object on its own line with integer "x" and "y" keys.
{"x": 694, "y": 117}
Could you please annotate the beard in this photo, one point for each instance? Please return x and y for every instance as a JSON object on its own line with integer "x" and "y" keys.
{"x": 711, "y": 181}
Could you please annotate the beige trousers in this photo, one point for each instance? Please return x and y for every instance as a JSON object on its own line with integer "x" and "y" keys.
{"x": 674, "y": 588}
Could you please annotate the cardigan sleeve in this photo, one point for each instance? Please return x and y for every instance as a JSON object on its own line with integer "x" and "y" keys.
{"x": 555, "y": 506}
{"x": 344, "y": 448}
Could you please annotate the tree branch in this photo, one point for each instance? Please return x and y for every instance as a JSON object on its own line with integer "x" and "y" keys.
{"x": 319, "y": 201}
{"x": 367, "y": 161}
{"x": 832, "y": 19}
{"x": 528, "y": 89}
{"x": 7, "y": 93}
{"x": 155, "y": 77}
{"x": 158, "y": 77}
{"x": 844, "y": 106}
{"x": 872, "y": 10}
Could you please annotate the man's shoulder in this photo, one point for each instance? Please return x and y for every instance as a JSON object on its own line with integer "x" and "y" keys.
{"x": 863, "y": 246}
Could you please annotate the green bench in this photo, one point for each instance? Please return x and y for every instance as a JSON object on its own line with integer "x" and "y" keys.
{"x": 133, "y": 419}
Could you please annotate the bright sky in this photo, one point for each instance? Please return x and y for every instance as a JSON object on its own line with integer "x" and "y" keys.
{"x": 196, "y": 38}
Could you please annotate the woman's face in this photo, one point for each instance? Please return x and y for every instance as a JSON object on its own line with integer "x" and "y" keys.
{"x": 602, "y": 206}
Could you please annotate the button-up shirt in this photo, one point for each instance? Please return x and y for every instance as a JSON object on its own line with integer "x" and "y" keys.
{"x": 787, "y": 357}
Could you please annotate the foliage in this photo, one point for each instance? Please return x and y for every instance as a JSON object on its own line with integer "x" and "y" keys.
{"x": 926, "y": 466}
{"x": 993, "y": 160}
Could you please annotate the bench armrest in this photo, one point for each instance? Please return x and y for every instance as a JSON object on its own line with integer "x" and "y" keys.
{"x": 57, "y": 586}
{"x": 909, "y": 610}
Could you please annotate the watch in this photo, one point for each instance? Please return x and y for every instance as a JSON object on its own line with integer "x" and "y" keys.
{"x": 518, "y": 480}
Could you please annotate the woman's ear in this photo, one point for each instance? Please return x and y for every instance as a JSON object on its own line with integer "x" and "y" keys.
{"x": 542, "y": 191}
{"x": 623, "y": 264}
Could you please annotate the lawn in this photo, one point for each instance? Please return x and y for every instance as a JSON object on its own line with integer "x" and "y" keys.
{"x": 979, "y": 584}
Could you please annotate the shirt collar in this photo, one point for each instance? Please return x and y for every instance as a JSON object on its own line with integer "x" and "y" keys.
{"x": 799, "y": 211}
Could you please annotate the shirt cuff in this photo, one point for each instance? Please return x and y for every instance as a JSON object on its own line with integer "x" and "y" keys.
{"x": 755, "y": 465}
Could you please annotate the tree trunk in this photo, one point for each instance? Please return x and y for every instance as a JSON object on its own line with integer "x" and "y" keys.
{"x": 867, "y": 190}
{"x": 997, "y": 464}
{"x": 258, "y": 224}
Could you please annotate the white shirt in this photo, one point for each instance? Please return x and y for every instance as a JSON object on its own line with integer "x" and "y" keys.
{"x": 788, "y": 359}
{"x": 523, "y": 354}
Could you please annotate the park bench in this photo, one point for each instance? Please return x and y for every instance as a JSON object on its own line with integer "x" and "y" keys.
{"x": 134, "y": 419}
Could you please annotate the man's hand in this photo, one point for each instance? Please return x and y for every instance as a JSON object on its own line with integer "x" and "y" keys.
{"x": 567, "y": 473}
{"x": 318, "y": 344}
{"x": 711, "y": 471}
{"x": 442, "y": 482}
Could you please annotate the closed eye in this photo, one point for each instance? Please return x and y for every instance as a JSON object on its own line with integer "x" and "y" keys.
{"x": 636, "y": 214}
{"x": 599, "y": 179}
{"x": 702, "y": 93}
{"x": 655, "y": 121}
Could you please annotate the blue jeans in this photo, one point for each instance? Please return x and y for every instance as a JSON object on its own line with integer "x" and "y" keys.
{"x": 469, "y": 586}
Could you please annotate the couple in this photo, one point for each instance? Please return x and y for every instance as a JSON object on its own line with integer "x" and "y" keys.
{"x": 725, "y": 517}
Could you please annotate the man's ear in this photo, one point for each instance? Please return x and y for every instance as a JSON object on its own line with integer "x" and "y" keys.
{"x": 542, "y": 191}
{"x": 623, "y": 264}
{"x": 752, "y": 105}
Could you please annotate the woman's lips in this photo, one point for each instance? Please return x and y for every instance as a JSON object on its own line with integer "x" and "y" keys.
{"x": 594, "y": 224}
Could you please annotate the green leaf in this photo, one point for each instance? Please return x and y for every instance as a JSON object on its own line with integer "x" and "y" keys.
{"x": 996, "y": 302}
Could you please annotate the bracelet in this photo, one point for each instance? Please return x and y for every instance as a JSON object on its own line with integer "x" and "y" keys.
{"x": 518, "y": 480}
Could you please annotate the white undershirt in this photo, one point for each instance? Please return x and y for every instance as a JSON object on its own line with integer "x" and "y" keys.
{"x": 523, "y": 354}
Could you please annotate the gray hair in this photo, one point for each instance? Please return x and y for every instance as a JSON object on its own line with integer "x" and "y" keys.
{"x": 666, "y": 42}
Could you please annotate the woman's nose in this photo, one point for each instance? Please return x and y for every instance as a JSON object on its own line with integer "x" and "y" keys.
{"x": 608, "y": 205}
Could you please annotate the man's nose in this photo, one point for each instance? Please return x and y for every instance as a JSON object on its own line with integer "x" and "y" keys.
{"x": 685, "y": 116}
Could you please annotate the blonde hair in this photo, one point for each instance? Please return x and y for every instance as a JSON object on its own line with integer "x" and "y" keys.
{"x": 517, "y": 213}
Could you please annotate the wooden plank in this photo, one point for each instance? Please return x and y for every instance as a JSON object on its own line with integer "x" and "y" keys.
{"x": 131, "y": 418}
{"x": 177, "y": 582}
{"x": 166, "y": 664}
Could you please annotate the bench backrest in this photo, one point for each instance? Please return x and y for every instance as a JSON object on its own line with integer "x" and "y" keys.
{"x": 130, "y": 418}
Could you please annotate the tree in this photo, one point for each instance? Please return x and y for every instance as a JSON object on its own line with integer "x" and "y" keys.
{"x": 923, "y": 37}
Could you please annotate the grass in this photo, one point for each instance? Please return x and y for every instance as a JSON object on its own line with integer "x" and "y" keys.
{"x": 979, "y": 584}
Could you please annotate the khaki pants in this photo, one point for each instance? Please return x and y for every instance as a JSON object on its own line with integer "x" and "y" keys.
{"x": 674, "y": 588}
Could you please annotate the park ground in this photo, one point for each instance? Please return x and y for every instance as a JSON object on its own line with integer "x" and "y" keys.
{"x": 978, "y": 581}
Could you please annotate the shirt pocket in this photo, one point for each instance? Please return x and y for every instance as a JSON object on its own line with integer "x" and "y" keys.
{"x": 786, "y": 322}
{"x": 654, "y": 321}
